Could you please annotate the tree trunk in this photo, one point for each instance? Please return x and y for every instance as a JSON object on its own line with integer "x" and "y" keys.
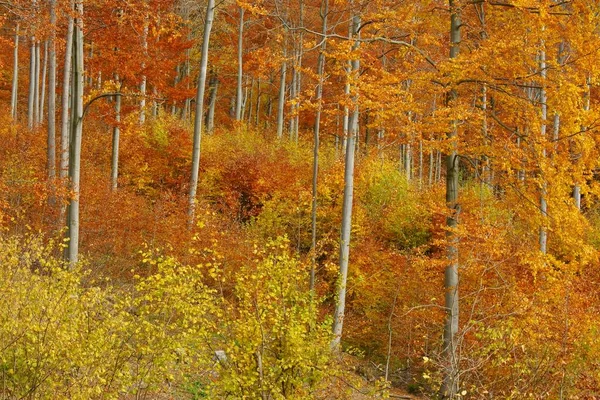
{"x": 52, "y": 93}
{"x": 212, "y": 102}
{"x": 210, "y": 9}
{"x": 450, "y": 383}
{"x": 282, "y": 91}
{"x": 240, "y": 71}
{"x": 64, "y": 133}
{"x": 15, "y": 77}
{"x": 543, "y": 234}
{"x": 114, "y": 165}
{"x": 31, "y": 94}
{"x": 75, "y": 142}
{"x": 36, "y": 88}
{"x": 43, "y": 84}
{"x": 144, "y": 80}
{"x": 338, "y": 319}
{"x": 317, "y": 128}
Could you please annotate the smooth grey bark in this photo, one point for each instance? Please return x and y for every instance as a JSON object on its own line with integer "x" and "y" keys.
{"x": 450, "y": 382}
{"x": 36, "y": 87}
{"x": 144, "y": 80}
{"x": 338, "y": 320}
{"x": 212, "y": 103}
{"x": 431, "y": 167}
{"x": 210, "y": 9}
{"x": 258, "y": 96}
{"x": 586, "y": 108}
{"x": 240, "y": 67}
{"x": 420, "y": 163}
{"x": 15, "y": 77}
{"x": 43, "y": 84}
{"x": 114, "y": 165}
{"x": 407, "y": 161}
{"x": 64, "y": 112}
{"x": 31, "y": 94}
{"x": 282, "y": 91}
{"x": 293, "y": 86}
{"x": 72, "y": 249}
{"x": 316, "y": 134}
{"x": 543, "y": 233}
{"x": 51, "y": 147}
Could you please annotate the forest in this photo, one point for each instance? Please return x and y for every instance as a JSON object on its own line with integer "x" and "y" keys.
{"x": 299, "y": 199}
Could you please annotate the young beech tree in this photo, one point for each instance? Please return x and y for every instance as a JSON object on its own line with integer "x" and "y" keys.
{"x": 76, "y": 130}
{"x": 210, "y": 12}
{"x": 340, "y": 308}
{"x": 451, "y": 373}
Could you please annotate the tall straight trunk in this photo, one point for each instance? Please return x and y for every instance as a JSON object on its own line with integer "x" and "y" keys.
{"x": 31, "y": 94}
{"x": 212, "y": 102}
{"x": 64, "y": 132}
{"x": 431, "y": 168}
{"x": 543, "y": 233}
{"x": 114, "y": 165}
{"x": 338, "y": 320}
{"x": 240, "y": 70}
{"x": 407, "y": 161}
{"x": 298, "y": 73}
{"x": 586, "y": 108}
{"x": 450, "y": 383}
{"x": 282, "y": 91}
{"x": 15, "y": 77}
{"x": 420, "y": 163}
{"x": 43, "y": 84}
{"x": 293, "y": 87}
{"x": 144, "y": 79}
{"x": 52, "y": 93}
{"x": 36, "y": 88}
{"x": 258, "y": 95}
{"x": 75, "y": 142}
{"x": 248, "y": 101}
{"x": 316, "y": 134}
{"x": 210, "y": 9}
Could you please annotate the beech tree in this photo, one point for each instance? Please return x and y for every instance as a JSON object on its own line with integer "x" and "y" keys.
{"x": 198, "y": 122}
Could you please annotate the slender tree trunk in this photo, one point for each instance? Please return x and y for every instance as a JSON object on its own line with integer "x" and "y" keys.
{"x": 52, "y": 93}
{"x": 240, "y": 71}
{"x": 114, "y": 165}
{"x": 282, "y": 91}
{"x": 15, "y": 77}
{"x": 431, "y": 168}
{"x": 144, "y": 79}
{"x": 43, "y": 84}
{"x": 451, "y": 373}
{"x": 64, "y": 133}
{"x": 36, "y": 88}
{"x": 420, "y": 163}
{"x": 586, "y": 109}
{"x": 543, "y": 234}
{"x": 76, "y": 134}
{"x": 258, "y": 95}
{"x": 248, "y": 103}
{"x": 317, "y": 128}
{"x": 210, "y": 9}
{"x": 212, "y": 102}
{"x": 31, "y": 95}
{"x": 338, "y": 319}
{"x": 293, "y": 87}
